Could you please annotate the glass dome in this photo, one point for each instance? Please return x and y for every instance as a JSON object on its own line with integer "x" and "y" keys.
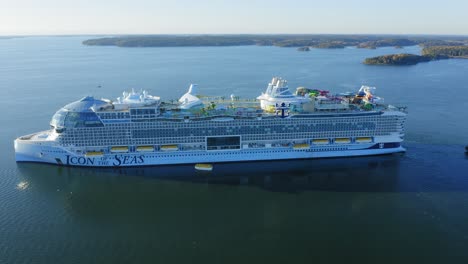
{"x": 78, "y": 114}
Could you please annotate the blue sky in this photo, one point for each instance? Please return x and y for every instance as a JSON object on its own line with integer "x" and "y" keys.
{"x": 24, "y": 17}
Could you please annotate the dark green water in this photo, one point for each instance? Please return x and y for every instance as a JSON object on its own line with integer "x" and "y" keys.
{"x": 410, "y": 208}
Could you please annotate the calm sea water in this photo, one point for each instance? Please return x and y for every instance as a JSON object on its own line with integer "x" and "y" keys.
{"x": 398, "y": 208}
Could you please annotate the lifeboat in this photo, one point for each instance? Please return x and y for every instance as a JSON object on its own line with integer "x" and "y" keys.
{"x": 145, "y": 148}
{"x": 94, "y": 153}
{"x": 203, "y": 167}
{"x": 301, "y": 146}
{"x": 342, "y": 140}
{"x": 321, "y": 141}
{"x": 119, "y": 149}
{"x": 363, "y": 139}
{"x": 169, "y": 147}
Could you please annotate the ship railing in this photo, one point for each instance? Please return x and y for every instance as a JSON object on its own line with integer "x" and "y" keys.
{"x": 403, "y": 109}
{"x": 227, "y": 99}
{"x": 27, "y": 137}
{"x": 33, "y": 136}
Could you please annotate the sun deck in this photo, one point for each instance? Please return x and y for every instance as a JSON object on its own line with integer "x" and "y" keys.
{"x": 305, "y": 102}
{"x": 47, "y": 135}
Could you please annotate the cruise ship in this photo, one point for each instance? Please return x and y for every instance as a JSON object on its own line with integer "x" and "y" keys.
{"x": 138, "y": 129}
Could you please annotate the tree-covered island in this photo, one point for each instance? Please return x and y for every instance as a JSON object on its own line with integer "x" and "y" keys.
{"x": 429, "y": 53}
{"x": 303, "y": 48}
{"x": 434, "y": 47}
{"x": 304, "y": 40}
{"x": 397, "y": 59}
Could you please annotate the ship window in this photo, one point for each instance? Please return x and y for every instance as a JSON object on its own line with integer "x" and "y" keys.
{"x": 220, "y": 143}
{"x": 58, "y": 119}
{"x": 81, "y": 119}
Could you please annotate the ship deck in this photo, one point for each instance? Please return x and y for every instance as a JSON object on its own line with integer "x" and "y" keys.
{"x": 46, "y": 135}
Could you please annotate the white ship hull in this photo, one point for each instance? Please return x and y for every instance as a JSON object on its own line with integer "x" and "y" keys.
{"x": 60, "y": 156}
{"x": 139, "y": 130}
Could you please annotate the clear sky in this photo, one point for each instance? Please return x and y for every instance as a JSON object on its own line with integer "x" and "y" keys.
{"x": 25, "y": 17}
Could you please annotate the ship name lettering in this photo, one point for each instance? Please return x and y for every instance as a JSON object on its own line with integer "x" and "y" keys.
{"x": 128, "y": 160}
{"x": 79, "y": 160}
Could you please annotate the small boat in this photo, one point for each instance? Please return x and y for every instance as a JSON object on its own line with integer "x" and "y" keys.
{"x": 119, "y": 149}
{"x": 363, "y": 140}
{"x": 145, "y": 148}
{"x": 94, "y": 153}
{"x": 169, "y": 147}
{"x": 342, "y": 140}
{"x": 466, "y": 149}
{"x": 321, "y": 141}
{"x": 301, "y": 146}
{"x": 204, "y": 167}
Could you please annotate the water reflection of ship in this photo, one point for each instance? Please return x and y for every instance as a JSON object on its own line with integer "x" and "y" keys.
{"x": 378, "y": 173}
{"x": 165, "y": 196}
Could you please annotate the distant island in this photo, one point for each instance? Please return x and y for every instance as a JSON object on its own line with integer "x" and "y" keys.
{"x": 398, "y": 59}
{"x": 430, "y": 53}
{"x": 397, "y": 42}
{"x": 303, "y": 48}
{"x": 10, "y": 37}
{"x": 298, "y": 41}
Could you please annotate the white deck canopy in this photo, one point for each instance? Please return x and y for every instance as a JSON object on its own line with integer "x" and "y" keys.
{"x": 277, "y": 93}
{"x": 189, "y": 99}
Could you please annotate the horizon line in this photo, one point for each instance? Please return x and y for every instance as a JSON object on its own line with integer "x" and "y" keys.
{"x": 231, "y": 34}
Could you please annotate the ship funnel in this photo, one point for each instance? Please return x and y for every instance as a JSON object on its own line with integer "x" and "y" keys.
{"x": 193, "y": 89}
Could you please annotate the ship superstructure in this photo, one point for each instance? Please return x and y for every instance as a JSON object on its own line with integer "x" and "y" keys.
{"x": 139, "y": 129}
